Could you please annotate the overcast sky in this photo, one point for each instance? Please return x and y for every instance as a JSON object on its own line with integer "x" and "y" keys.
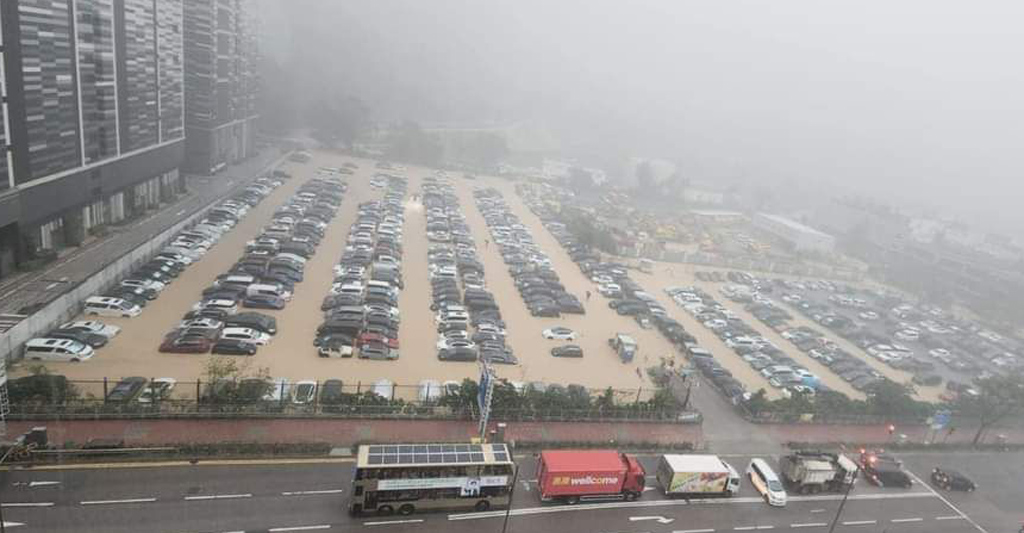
{"x": 918, "y": 101}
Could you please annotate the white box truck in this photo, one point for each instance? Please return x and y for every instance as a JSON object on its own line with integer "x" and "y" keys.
{"x": 702, "y": 475}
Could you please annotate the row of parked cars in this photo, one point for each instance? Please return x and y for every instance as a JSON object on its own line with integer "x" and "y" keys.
{"x": 361, "y": 315}
{"x": 781, "y": 371}
{"x": 77, "y": 341}
{"x": 531, "y": 269}
{"x": 469, "y": 323}
{"x": 264, "y": 278}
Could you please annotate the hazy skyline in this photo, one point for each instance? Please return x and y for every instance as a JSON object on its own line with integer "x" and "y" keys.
{"x": 912, "y": 101}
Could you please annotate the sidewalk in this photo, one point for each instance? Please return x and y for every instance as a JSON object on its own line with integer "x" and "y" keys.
{"x": 35, "y": 288}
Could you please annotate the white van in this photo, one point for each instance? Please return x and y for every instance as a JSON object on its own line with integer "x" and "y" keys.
{"x": 766, "y": 482}
{"x": 268, "y": 290}
{"x": 57, "y": 350}
{"x": 105, "y": 306}
{"x": 245, "y": 334}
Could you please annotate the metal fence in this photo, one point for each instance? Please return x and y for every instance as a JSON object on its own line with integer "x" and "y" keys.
{"x": 257, "y": 398}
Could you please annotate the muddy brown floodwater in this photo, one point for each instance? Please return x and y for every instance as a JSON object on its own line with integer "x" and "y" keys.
{"x": 291, "y": 353}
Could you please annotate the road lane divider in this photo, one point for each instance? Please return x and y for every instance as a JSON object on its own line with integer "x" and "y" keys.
{"x": 672, "y": 503}
{"x": 311, "y": 492}
{"x": 115, "y": 502}
{"x": 298, "y": 528}
{"x": 949, "y": 518}
{"x": 218, "y": 497}
{"x": 27, "y": 504}
{"x": 694, "y": 531}
{"x": 394, "y": 522}
{"x": 905, "y": 520}
{"x": 808, "y": 524}
{"x": 860, "y": 522}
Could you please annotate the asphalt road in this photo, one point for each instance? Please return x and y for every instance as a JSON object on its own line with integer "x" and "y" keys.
{"x": 277, "y": 497}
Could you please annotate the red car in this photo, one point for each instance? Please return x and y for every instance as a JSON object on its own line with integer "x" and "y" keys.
{"x": 367, "y": 337}
{"x": 186, "y": 344}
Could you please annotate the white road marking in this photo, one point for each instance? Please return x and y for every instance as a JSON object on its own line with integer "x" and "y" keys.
{"x": 765, "y": 527}
{"x": 902, "y": 520}
{"x": 311, "y": 492}
{"x": 390, "y": 522}
{"x": 860, "y": 522}
{"x": 744, "y": 528}
{"x": 672, "y": 503}
{"x": 948, "y": 503}
{"x": 13, "y": 524}
{"x": 218, "y": 497}
{"x": 659, "y": 519}
{"x": 949, "y": 518}
{"x": 809, "y": 524}
{"x": 817, "y": 510}
{"x": 299, "y": 528}
{"x": 109, "y": 502}
{"x": 179, "y": 213}
{"x": 28, "y": 504}
{"x": 35, "y": 484}
{"x": 694, "y": 531}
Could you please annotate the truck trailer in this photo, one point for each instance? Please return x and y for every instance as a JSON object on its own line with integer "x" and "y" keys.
{"x": 809, "y": 472}
{"x": 704, "y": 475}
{"x": 571, "y": 476}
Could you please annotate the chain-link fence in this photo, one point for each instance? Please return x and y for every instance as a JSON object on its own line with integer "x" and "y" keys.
{"x": 54, "y": 397}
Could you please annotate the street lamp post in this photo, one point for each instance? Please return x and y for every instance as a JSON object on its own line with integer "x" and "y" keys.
{"x": 511, "y": 493}
{"x": 842, "y": 503}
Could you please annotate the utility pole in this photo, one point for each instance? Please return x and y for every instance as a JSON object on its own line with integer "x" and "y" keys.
{"x": 511, "y": 493}
{"x": 842, "y": 503}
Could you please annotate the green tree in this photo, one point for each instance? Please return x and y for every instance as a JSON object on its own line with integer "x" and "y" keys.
{"x": 888, "y": 398}
{"x": 998, "y": 398}
{"x": 759, "y": 402}
{"x": 341, "y": 121}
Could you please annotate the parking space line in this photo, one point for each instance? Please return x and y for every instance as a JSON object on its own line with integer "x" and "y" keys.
{"x": 809, "y": 524}
{"x": 904, "y": 520}
{"x": 860, "y": 522}
{"x": 110, "y": 502}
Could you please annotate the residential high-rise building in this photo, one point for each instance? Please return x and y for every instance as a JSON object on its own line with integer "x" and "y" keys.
{"x": 220, "y": 83}
{"x": 93, "y": 116}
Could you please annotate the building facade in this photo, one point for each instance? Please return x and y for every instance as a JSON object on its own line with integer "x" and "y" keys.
{"x": 799, "y": 237}
{"x": 221, "y": 54}
{"x": 93, "y": 117}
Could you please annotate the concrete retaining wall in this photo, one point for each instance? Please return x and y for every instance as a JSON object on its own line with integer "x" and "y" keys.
{"x": 69, "y": 304}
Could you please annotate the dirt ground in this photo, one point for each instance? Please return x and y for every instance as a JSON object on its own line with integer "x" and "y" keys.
{"x": 291, "y": 353}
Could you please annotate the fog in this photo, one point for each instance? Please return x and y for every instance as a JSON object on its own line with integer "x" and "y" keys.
{"x": 915, "y": 102}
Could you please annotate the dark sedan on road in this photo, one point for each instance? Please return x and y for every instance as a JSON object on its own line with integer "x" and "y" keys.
{"x": 952, "y": 480}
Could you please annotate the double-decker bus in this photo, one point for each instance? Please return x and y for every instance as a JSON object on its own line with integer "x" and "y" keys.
{"x": 404, "y": 478}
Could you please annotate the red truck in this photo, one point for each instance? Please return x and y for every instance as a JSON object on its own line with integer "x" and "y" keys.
{"x": 573, "y": 475}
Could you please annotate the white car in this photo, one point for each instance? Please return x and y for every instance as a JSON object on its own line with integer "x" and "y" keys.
{"x": 869, "y": 315}
{"x": 144, "y": 284}
{"x": 201, "y": 324}
{"x": 907, "y": 335}
{"x": 93, "y": 326}
{"x": 246, "y": 334}
{"x": 304, "y": 392}
{"x": 229, "y": 306}
{"x": 157, "y": 389}
{"x": 560, "y": 333}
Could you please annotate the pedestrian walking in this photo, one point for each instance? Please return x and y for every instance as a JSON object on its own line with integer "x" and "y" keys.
{"x": 588, "y": 296}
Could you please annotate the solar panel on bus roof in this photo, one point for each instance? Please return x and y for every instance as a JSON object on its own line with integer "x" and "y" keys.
{"x": 434, "y": 453}
{"x": 501, "y": 456}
